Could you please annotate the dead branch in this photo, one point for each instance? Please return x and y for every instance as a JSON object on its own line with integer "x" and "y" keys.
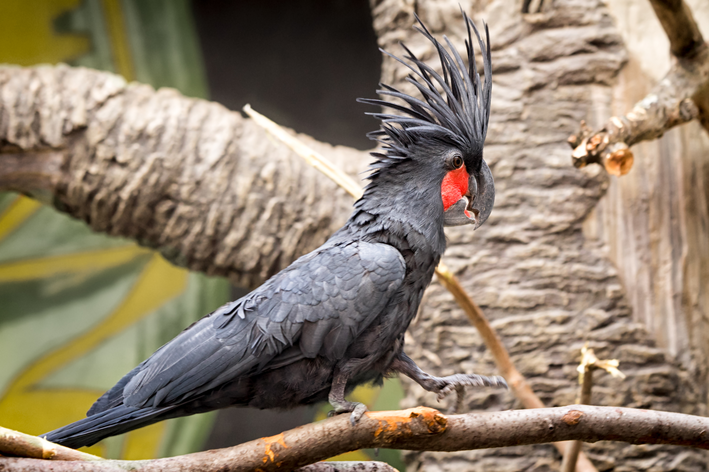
{"x": 573, "y": 449}
{"x": 418, "y": 429}
{"x": 197, "y": 182}
{"x": 681, "y": 96}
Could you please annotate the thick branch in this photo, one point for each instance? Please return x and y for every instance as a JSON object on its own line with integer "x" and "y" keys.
{"x": 205, "y": 186}
{"x": 681, "y": 29}
{"x": 420, "y": 429}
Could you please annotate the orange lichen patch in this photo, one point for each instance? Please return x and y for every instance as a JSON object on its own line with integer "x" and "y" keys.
{"x": 572, "y": 417}
{"x": 403, "y": 415}
{"x": 421, "y": 418}
{"x": 270, "y": 441}
{"x": 619, "y": 162}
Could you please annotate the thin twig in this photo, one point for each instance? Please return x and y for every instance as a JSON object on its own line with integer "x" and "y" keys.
{"x": 311, "y": 157}
{"x": 334, "y": 466}
{"x": 514, "y": 378}
{"x": 568, "y": 464}
{"x": 418, "y": 429}
{"x": 589, "y": 363}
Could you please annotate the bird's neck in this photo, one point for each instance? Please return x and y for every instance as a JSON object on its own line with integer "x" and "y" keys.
{"x": 409, "y": 219}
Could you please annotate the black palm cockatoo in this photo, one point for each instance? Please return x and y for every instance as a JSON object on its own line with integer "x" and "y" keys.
{"x": 336, "y": 317}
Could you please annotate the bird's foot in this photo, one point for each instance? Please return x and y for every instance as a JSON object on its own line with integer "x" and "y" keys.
{"x": 443, "y": 385}
{"x": 457, "y": 382}
{"x": 355, "y": 409}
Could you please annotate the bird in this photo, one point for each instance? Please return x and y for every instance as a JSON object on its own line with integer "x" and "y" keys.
{"x": 336, "y": 317}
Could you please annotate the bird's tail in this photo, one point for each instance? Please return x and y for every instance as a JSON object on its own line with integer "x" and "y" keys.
{"x": 116, "y": 420}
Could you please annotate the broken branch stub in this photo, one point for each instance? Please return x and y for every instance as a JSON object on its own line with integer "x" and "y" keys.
{"x": 681, "y": 96}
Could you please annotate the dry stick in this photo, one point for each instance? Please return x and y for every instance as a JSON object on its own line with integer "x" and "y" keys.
{"x": 516, "y": 381}
{"x": 25, "y": 445}
{"x": 310, "y": 156}
{"x": 347, "y": 466}
{"x": 589, "y": 362}
{"x": 15, "y": 443}
{"x": 418, "y": 429}
{"x": 568, "y": 464}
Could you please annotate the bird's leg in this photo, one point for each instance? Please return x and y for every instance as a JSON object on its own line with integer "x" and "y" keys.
{"x": 443, "y": 385}
{"x": 338, "y": 402}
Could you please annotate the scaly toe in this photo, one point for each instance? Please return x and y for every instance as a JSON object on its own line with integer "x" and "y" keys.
{"x": 498, "y": 381}
{"x": 357, "y": 413}
{"x": 445, "y": 391}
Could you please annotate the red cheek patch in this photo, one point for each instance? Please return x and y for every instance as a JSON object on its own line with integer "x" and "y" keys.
{"x": 454, "y": 186}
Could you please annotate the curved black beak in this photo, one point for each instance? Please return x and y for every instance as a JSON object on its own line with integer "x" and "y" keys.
{"x": 475, "y": 206}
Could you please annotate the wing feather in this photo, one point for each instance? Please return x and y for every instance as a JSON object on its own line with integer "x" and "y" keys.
{"x": 315, "y": 307}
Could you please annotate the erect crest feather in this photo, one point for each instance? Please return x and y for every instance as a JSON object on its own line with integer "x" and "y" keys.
{"x": 457, "y": 113}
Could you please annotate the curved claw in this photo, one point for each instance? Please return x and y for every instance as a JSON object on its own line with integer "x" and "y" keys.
{"x": 356, "y": 409}
{"x": 357, "y": 413}
{"x": 459, "y": 397}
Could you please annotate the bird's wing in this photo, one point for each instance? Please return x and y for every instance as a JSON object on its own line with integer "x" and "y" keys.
{"x": 315, "y": 307}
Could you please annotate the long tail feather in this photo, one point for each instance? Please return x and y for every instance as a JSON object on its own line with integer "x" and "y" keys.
{"x": 117, "y": 420}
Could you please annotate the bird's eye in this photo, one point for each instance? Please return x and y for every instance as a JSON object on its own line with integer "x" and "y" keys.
{"x": 456, "y": 161}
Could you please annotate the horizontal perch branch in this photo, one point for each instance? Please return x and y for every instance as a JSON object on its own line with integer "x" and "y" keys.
{"x": 24, "y": 445}
{"x": 420, "y": 429}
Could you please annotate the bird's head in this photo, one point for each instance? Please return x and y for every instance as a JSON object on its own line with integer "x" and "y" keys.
{"x": 437, "y": 139}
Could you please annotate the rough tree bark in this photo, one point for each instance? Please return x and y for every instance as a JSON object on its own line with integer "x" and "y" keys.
{"x": 203, "y": 185}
